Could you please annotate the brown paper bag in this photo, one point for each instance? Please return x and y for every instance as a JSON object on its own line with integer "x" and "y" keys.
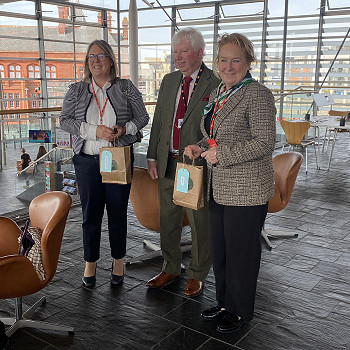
{"x": 194, "y": 198}
{"x": 118, "y": 171}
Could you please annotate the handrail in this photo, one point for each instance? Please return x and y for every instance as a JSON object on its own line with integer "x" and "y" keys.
{"x": 301, "y": 89}
{"x": 32, "y": 164}
{"x": 50, "y": 109}
{"x": 30, "y": 110}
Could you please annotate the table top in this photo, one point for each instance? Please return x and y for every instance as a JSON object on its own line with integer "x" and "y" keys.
{"x": 328, "y": 121}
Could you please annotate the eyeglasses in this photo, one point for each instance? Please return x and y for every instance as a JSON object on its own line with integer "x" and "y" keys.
{"x": 100, "y": 56}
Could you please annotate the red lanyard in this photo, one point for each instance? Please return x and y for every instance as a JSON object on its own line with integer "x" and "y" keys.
{"x": 98, "y": 105}
{"x": 214, "y": 114}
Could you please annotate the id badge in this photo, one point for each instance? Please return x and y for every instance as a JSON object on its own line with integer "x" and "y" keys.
{"x": 179, "y": 123}
{"x": 211, "y": 143}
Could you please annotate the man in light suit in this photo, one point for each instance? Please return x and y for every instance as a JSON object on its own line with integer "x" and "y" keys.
{"x": 166, "y": 148}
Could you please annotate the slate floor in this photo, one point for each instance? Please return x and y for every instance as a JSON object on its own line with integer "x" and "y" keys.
{"x": 303, "y": 296}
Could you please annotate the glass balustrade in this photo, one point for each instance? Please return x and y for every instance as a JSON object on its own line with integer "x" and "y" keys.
{"x": 46, "y": 174}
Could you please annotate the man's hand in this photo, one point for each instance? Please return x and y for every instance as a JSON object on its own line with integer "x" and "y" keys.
{"x": 152, "y": 169}
{"x": 192, "y": 151}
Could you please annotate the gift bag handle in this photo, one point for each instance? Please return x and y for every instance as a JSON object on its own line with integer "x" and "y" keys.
{"x": 183, "y": 160}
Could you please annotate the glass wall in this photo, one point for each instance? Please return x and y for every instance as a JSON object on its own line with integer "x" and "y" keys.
{"x": 301, "y": 46}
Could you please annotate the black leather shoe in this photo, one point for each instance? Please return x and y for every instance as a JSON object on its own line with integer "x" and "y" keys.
{"x": 115, "y": 279}
{"x": 89, "y": 282}
{"x": 230, "y": 323}
{"x": 214, "y": 313}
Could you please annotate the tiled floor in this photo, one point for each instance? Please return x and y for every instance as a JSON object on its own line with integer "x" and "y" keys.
{"x": 303, "y": 296}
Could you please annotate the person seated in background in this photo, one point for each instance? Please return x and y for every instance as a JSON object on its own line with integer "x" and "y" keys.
{"x": 41, "y": 152}
{"x": 25, "y": 159}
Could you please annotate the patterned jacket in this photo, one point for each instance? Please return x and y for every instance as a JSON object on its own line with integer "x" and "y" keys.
{"x": 125, "y": 99}
{"x": 245, "y": 131}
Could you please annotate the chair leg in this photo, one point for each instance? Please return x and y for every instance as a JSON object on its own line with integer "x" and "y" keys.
{"x": 22, "y": 320}
{"x": 156, "y": 251}
{"x": 266, "y": 238}
{"x": 324, "y": 140}
{"x": 318, "y": 165}
{"x": 267, "y": 234}
{"x": 306, "y": 158}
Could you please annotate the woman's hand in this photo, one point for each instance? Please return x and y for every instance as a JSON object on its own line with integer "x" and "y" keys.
{"x": 192, "y": 151}
{"x": 210, "y": 155}
{"x": 119, "y": 131}
{"x": 105, "y": 133}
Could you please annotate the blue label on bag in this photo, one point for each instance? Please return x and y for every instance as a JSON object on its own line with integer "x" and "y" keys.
{"x": 182, "y": 180}
{"x": 106, "y": 161}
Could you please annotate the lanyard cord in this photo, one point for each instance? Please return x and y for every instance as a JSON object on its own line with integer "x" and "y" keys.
{"x": 194, "y": 86}
{"x": 222, "y": 100}
{"x": 98, "y": 105}
{"x": 214, "y": 114}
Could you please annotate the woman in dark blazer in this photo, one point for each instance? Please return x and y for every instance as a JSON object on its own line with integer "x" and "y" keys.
{"x": 238, "y": 126}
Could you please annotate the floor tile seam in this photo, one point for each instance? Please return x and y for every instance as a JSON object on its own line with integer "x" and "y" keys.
{"x": 323, "y": 344}
{"x": 272, "y": 278}
{"x": 302, "y": 253}
{"x": 304, "y": 309}
{"x": 167, "y": 336}
{"x": 315, "y": 273}
{"x": 184, "y": 302}
{"x": 330, "y": 279}
{"x": 120, "y": 336}
{"x": 246, "y": 334}
{"x": 209, "y": 336}
{"x": 26, "y": 330}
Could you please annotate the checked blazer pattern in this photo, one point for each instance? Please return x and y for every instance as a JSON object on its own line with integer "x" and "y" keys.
{"x": 245, "y": 131}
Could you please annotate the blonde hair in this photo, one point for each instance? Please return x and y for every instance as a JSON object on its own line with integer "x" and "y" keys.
{"x": 107, "y": 49}
{"x": 236, "y": 39}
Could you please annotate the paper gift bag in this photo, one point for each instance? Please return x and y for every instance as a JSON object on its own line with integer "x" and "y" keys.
{"x": 188, "y": 186}
{"x": 115, "y": 165}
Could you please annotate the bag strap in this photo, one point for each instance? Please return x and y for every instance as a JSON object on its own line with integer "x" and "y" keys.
{"x": 183, "y": 160}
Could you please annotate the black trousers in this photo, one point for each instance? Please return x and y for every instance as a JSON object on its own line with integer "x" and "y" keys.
{"x": 94, "y": 197}
{"x": 236, "y": 252}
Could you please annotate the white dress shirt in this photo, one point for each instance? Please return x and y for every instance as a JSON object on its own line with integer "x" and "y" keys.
{"x": 92, "y": 143}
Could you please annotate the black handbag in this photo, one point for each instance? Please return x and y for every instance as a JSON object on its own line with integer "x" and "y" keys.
{"x": 25, "y": 240}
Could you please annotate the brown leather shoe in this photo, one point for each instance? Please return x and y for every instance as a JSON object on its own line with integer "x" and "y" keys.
{"x": 161, "y": 280}
{"x": 193, "y": 288}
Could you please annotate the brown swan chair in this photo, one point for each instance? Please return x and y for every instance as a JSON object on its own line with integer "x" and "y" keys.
{"x": 18, "y": 277}
{"x": 286, "y": 168}
{"x": 144, "y": 199}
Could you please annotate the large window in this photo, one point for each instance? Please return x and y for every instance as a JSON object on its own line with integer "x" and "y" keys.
{"x": 300, "y": 45}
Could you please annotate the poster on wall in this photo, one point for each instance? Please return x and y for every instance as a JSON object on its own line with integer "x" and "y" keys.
{"x": 40, "y": 136}
{"x": 63, "y": 138}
